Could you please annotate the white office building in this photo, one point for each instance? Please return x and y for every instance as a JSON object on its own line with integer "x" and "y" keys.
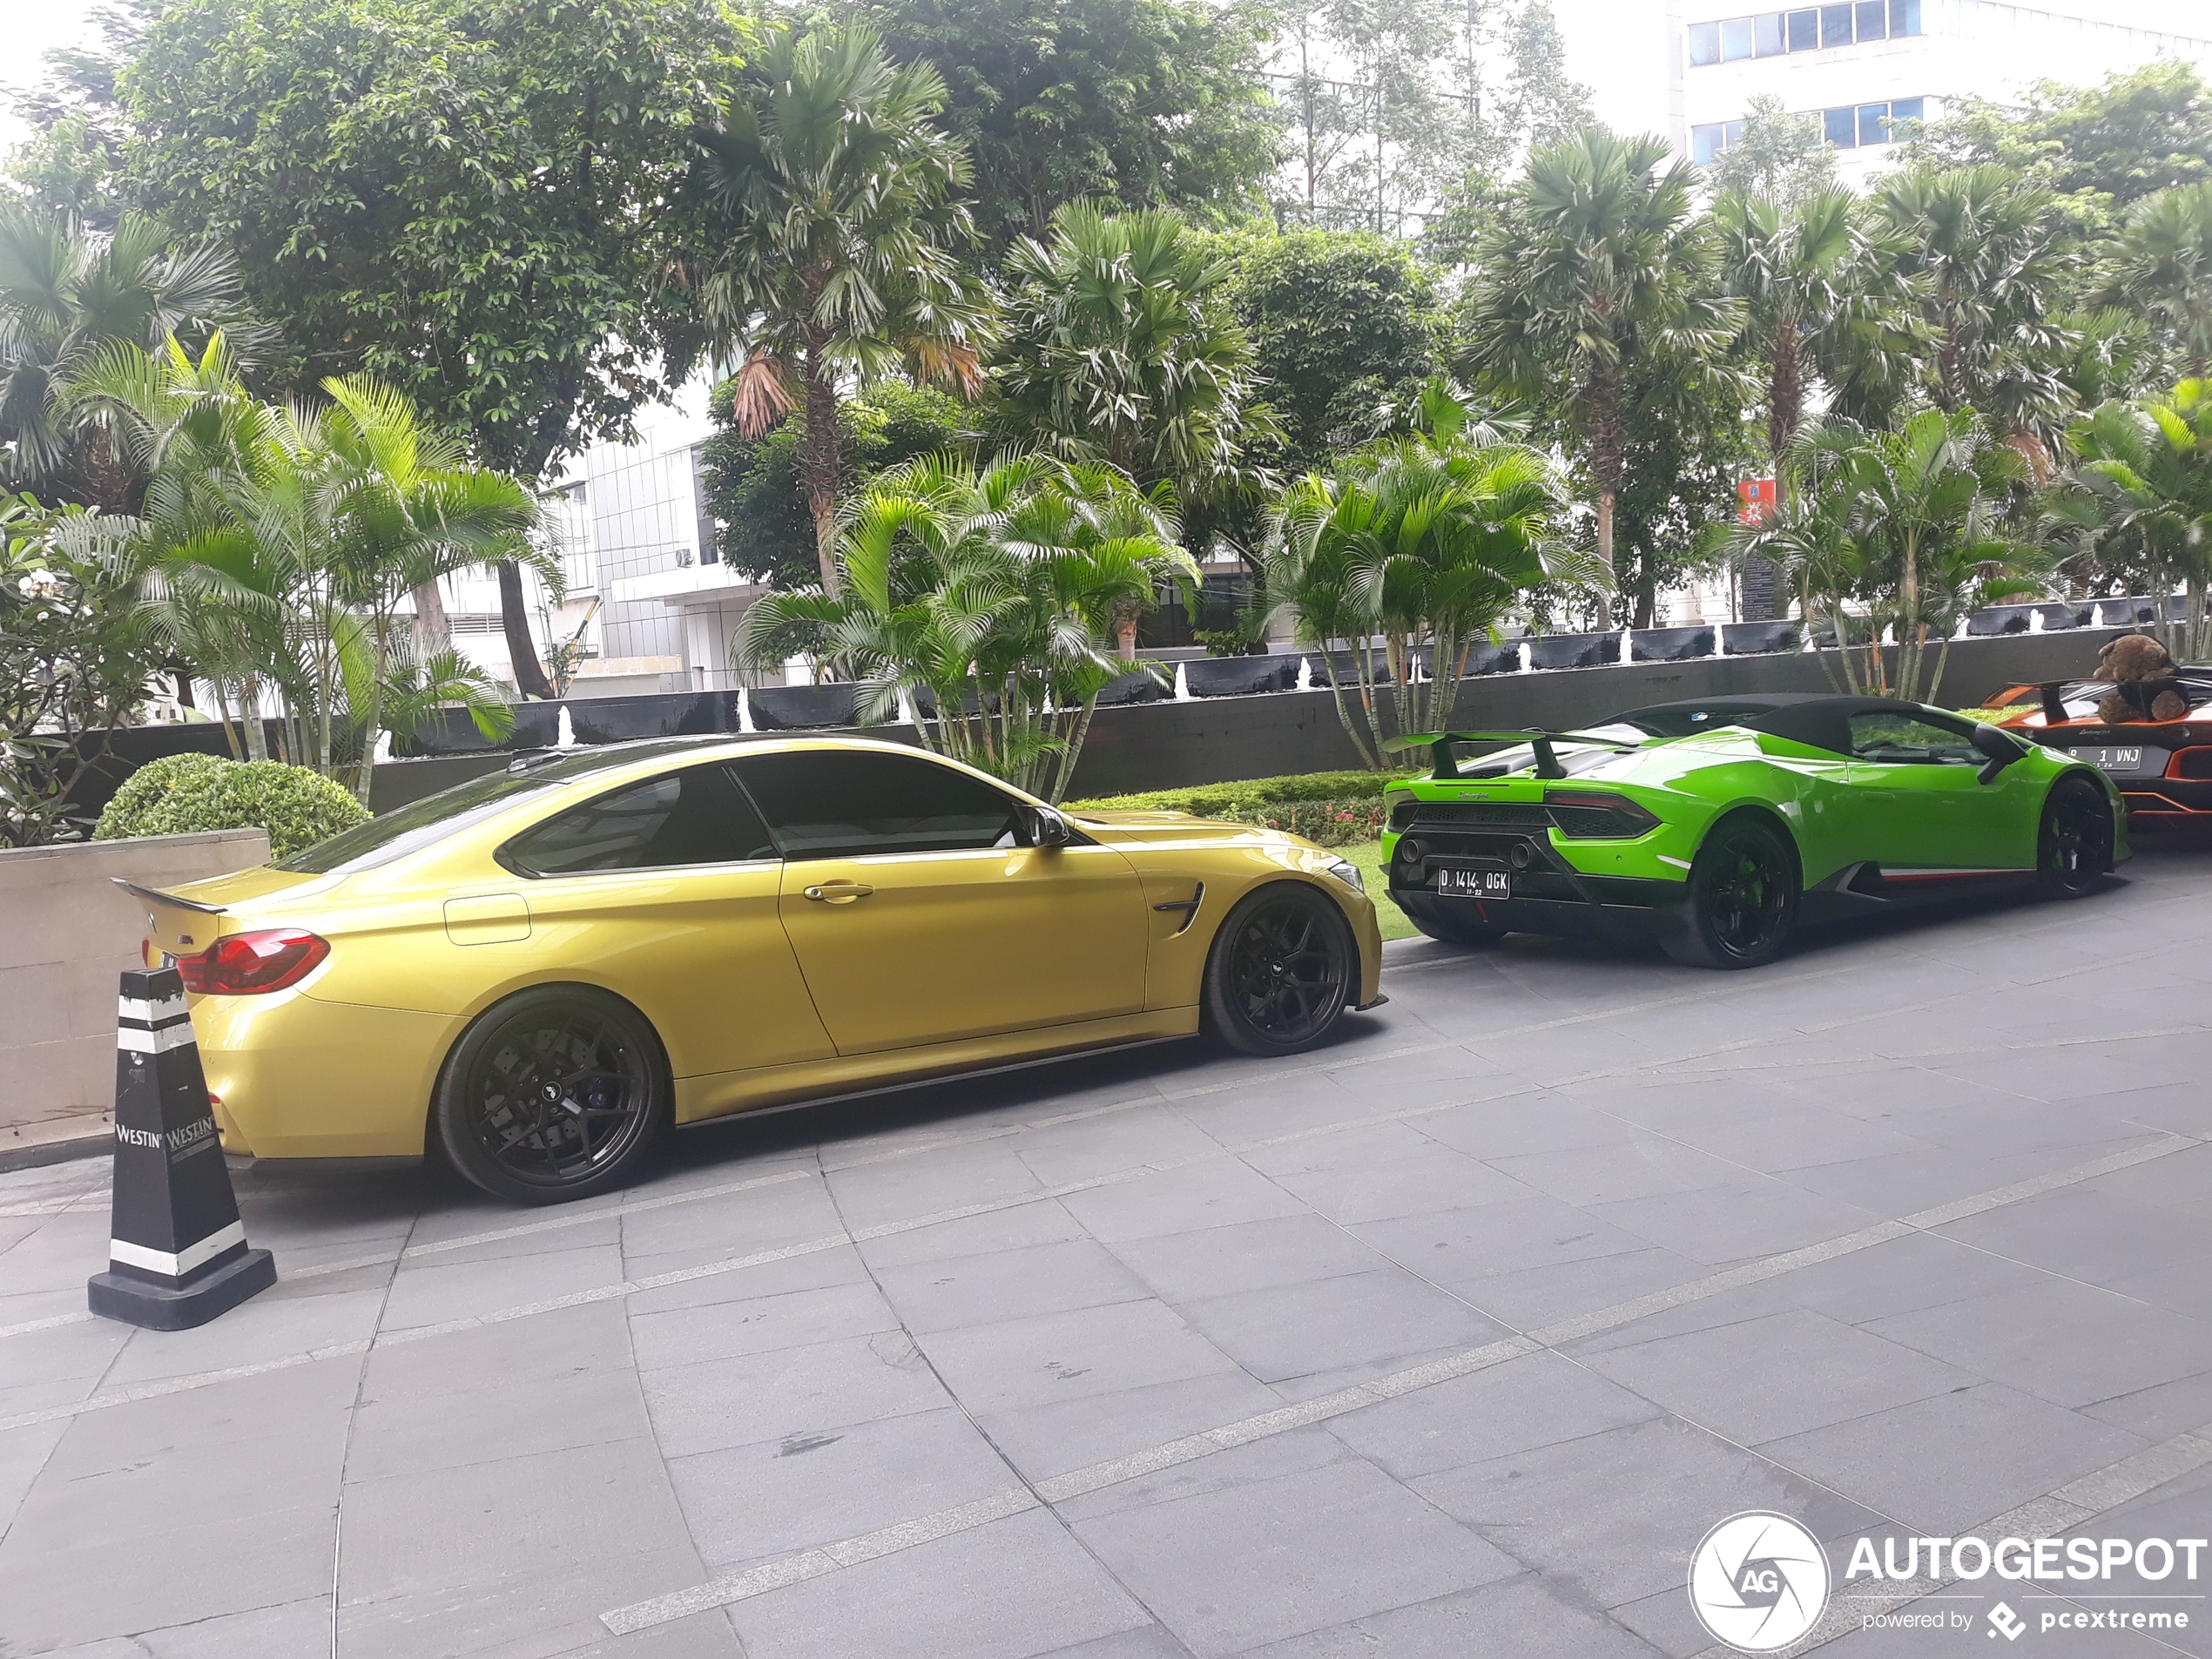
{"x": 1865, "y": 66}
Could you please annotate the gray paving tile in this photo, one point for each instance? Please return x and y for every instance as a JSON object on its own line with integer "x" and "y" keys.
{"x": 287, "y": 1631}
{"x": 758, "y": 1325}
{"x": 1217, "y": 1193}
{"x": 2160, "y": 1412}
{"x": 1761, "y": 1378}
{"x": 2096, "y": 1236}
{"x": 1616, "y": 1514}
{"x": 747, "y": 1502}
{"x": 1246, "y": 1255}
{"x": 1370, "y": 1319}
{"x": 958, "y": 1292}
{"x": 1531, "y": 1297}
{"x": 746, "y": 1399}
{"x": 1953, "y": 1460}
{"x": 1735, "y": 1223}
{"x": 1526, "y": 1616}
{"x": 1903, "y": 1275}
{"x": 1015, "y": 1588}
{"x": 1056, "y": 1436}
{"x": 1046, "y": 1222}
{"x": 1539, "y": 1399}
{"x": 1015, "y": 1363}
{"x": 431, "y": 1291}
{"x": 1558, "y": 1120}
{"x": 1461, "y": 1247}
{"x": 2068, "y": 1343}
{"x": 1644, "y": 1165}
{"x": 1234, "y": 1566}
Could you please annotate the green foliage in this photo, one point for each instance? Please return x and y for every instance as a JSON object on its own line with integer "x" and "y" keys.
{"x": 1424, "y": 540}
{"x": 1339, "y": 322}
{"x": 1120, "y": 347}
{"x": 464, "y": 198}
{"x": 179, "y": 794}
{"x": 834, "y": 205}
{"x": 2162, "y": 262}
{"x": 2098, "y": 149}
{"x": 1783, "y": 157}
{"x": 994, "y": 591}
{"x": 75, "y": 657}
{"x": 753, "y": 485}
{"x": 2138, "y": 502}
{"x": 1331, "y": 808}
{"x": 1147, "y": 102}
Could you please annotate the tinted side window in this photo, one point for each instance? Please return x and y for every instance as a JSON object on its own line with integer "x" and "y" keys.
{"x": 1902, "y": 740}
{"x": 838, "y": 804}
{"x": 698, "y": 816}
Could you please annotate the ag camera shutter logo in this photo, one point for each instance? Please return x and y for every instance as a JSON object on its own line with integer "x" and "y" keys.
{"x": 1758, "y": 1582}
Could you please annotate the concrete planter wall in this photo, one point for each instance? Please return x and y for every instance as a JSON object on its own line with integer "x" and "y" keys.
{"x": 66, "y": 930}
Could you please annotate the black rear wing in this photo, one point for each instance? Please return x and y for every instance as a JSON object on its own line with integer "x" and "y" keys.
{"x": 1443, "y": 764}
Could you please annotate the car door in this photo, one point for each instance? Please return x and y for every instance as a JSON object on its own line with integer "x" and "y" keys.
{"x": 1920, "y": 803}
{"x": 919, "y": 912}
{"x": 666, "y": 892}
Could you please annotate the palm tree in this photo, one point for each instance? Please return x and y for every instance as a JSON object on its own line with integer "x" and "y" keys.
{"x": 2163, "y": 266}
{"x": 842, "y": 198}
{"x": 1426, "y": 540}
{"x": 2141, "y": 487}
{"x": 68, "y": 292}
{"x": 1982, "y": 251}
{"x": 1598, "y": 261}
{"x": 1120, "y": 348}
{"x": 989, "y": 590}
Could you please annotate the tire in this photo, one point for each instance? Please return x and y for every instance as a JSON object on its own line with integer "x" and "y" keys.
{"x": 1743, "y": 898}
{"x": 2073, "y": 844}
{"x": 1282, "y": 967}
{"x": 552, "y": 1095}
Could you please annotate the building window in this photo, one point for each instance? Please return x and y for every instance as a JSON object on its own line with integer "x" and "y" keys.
{"x": 1771, "y": 33}
{"x": 1858, "y": 125}
{"x": 1710, "y": 139}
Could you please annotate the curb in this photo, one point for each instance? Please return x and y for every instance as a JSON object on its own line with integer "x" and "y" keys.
{"x": 90, "y": 1135}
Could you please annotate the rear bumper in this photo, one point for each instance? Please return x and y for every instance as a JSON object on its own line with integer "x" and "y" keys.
{"x": 1618, "y": 907}
{"x": 298, "y": 1078}
{"x": 2152, "y": 801}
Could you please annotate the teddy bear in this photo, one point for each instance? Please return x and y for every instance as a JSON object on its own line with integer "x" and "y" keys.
{"x": 2142, "y": 671}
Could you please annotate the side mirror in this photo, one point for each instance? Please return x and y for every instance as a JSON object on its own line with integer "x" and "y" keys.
{"x": 1997, "y": 750}
{"x": 1049, "y": 828}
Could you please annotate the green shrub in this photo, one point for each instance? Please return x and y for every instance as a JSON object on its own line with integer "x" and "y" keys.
{"x": 1334, "y": 808}
{"x": 179, "y": 794}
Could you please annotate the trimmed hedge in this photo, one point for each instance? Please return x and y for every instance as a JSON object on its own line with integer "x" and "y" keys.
{"x": 180, "y": 794}
{"x": 1334, "y": 808}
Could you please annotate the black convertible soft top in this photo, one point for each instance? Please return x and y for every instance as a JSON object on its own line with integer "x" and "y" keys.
{"x": 1818, "y": 720}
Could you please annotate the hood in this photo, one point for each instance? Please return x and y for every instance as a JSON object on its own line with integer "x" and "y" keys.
{"x": 1132, "y": 827}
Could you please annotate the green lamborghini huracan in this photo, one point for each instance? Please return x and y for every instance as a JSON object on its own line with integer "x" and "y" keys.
{"x": 1717, "y": 825}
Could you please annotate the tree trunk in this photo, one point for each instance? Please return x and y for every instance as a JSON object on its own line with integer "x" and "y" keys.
{"x": 1605, "y": 555}
{"x": 251, "y": 724}
{"x": 432, "y": 631}
{"x": 819, "y": 462}
{"x": 1605, "y": 471}
{"x": 184, "y": 688}
{"x": 1785, "y": 401}
{"x": 515, "y": 622}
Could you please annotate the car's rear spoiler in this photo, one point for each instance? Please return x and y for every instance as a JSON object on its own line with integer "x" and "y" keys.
{"x": 1445, "y": 766}
{"x": 154, "y": 895}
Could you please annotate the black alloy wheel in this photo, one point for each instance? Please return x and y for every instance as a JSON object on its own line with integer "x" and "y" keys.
{"x": 1281, "y": 970}
{"x": 1743, "y": 898}
{"x": 553, "y": 1095}
{"x": 2074, "y": 848}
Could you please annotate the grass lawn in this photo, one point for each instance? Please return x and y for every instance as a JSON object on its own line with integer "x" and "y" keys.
{"x": 1368, "y": 856}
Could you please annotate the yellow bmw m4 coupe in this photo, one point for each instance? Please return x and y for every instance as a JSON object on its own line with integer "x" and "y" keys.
{"x": 542, "y": 970}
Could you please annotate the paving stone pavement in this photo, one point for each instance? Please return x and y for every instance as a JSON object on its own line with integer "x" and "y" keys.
{"x": 1453, "y": 1338}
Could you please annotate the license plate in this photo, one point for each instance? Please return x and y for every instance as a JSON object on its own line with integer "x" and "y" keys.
{"x": 1474, "y": 884}
{"x": 2129, "y": 761}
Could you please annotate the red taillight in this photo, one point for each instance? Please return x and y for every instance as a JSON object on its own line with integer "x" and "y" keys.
{"x": 249, "y": 964}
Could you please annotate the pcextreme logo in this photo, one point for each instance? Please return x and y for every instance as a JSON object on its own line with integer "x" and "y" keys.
{"x": 1758, "y": 1582}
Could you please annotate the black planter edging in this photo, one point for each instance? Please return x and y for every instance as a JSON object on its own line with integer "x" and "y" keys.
{"x": 2016, "y": 619}
{"x": 1757, "y": 639}
{"x": 1238, "y": 676}
{"x": 1487, "y": 658}
{"x": 1140, "y": 687}
{"x": 1670, "y": 644}
{"x": 800, "y": 708}
{"x": 1575, "y": 650}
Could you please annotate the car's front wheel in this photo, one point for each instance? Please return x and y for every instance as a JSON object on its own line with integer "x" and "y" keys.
{"x": 2073, "y": 847}
{"x": 1281, "y": 968}
{"x": 554, "y": 1093}
{"x": 1742, "y": 901}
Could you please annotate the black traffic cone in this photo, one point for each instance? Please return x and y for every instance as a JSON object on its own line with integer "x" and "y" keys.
{"x": 178, "y": 1255}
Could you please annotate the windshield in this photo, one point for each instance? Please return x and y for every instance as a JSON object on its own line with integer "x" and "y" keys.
{"x": 417, "y": 825}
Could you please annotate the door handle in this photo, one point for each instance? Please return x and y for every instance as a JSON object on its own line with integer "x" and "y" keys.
{"x": 838, "y": 892}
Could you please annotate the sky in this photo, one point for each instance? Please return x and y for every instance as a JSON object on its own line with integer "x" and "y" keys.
{"x": 29, "y": 30}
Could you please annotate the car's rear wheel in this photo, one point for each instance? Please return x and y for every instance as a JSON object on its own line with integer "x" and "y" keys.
{"x": 1742, "y": 901}
{"x": 1282, "y": 967}
{"x": 552, "y": 1095}
{"x": 2073, "y": 847}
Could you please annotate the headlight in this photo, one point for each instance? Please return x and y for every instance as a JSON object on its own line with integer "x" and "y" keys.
{"x": 1349, "y": 874}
